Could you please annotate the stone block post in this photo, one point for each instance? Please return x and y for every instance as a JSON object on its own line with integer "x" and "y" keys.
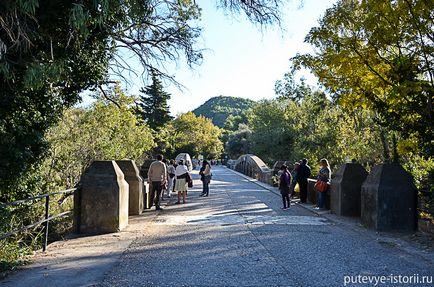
{"x": 104, "y": 198}
{"x": 135, "y": 182}
{"x": 346, "y": 189}
{"x": 389, "y": 199}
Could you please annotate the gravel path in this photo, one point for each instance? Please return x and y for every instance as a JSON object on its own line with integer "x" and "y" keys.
{"x": 238, "y": 236}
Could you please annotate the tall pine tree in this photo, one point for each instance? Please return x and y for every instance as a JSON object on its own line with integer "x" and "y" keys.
{"x": 153, "y": 107}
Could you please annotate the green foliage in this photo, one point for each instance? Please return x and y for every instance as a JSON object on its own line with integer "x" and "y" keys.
{"x": 50, "y": 53}
{"x": 197, "y": 136}
{"x": 290, "y": 88}
{"x": 238, "y": 142}
{"x": 152, "y": 106}
{"x": 102, "y": 132}
{"x": 220, "y": 108}
{"x": 313, "y": 127}
{"x": 378, "y": 55}
{"x": 271, "y": 130}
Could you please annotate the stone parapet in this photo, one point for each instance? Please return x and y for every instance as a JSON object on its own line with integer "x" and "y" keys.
{"x": 104, "y": 197}
{"x": 389, "y": 199}
{"x": 135, "y": 182}
{"x": 345, "y": 190}
{"x": 254, "y": 167}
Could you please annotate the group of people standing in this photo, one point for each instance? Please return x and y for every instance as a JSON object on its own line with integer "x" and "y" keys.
{"x": 169, "y": 176}
{"x": 300, "y": 174}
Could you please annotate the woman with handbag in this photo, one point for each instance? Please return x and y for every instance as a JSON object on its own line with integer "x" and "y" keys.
{"x": 182, "y": 179}
{"x": 323, "y": 182}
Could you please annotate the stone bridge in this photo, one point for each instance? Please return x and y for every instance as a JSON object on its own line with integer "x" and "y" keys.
{"x": 238, "y": 236}
{"x": 254, "y": 167}
{"x": 116, "y": 190}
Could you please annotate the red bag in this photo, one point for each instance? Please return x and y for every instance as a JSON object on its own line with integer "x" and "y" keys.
{"x": 321, "y": 186}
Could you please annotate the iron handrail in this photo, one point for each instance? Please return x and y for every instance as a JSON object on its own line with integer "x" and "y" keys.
{"x": 71, "y": 190}
{"x": 47, "y": 216}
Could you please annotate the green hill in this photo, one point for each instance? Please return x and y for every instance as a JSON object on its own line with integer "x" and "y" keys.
{"x": 219, "y": 108}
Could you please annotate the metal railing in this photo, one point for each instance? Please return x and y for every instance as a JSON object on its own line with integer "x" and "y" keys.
{"x": 47, "y": 216}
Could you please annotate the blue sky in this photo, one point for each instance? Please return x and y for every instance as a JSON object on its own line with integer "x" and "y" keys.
{"x": 242, "y": 60}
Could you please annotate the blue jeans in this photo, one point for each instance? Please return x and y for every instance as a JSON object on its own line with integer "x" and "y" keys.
{"x": 321, "y": 199}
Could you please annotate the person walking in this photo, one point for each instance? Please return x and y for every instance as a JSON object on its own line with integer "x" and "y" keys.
{"x": 205, "y": 177}
{"x": 294, "y": 179}
{"x": 284, "y": 184}
{"x": 170, "y": 177}
{"x": 303, "y": 173}
{"x": 182, "y": 178}
{"x": 157, "y": 177}
{"x": 324, "y": 175}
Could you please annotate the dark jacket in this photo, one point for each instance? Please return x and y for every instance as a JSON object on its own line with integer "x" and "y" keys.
{"x": 285, "y": 182}
{"x": 303, "y": 172}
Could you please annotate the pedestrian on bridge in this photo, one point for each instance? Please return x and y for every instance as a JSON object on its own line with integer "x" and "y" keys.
{"x": 294, "y": 179}
{"x": 182, "y": 178}
{"x": 157, "y": 177}
{"x": 205, "y": 177}
{"x": 303, "y": 173}
{"x": 170, "y": 177}
{"x": 284, "y": 184}
{"x": 324, "y": 175}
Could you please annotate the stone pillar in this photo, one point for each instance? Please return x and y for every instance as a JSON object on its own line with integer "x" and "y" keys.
{"x": 389, "y": 199}
{"x": 104, "y": 198}
{"x": 346, "y": 188}
{"x": 135, "y": 182}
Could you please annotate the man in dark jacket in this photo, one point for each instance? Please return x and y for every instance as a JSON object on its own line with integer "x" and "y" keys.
{"x": 303, "y": 173}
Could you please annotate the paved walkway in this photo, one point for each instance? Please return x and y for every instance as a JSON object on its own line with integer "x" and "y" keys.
{"x": 238, "y": 236}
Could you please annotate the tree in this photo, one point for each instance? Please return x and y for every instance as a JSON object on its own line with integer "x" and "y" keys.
{"x": 379, "y": 55}
{"x": 197, "y": 136}
{"x": 102, "y": 132}
{"x": 290, "y": 88}
{"x": 152, "y": 106}
{"x": 52, "y": 50}
{"x": 50, "y": 53}
{"x": 238, "y": 142}
{"x": 272, "y": 135}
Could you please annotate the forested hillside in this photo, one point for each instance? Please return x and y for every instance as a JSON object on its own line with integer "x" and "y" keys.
{"x": 218, "y": 109}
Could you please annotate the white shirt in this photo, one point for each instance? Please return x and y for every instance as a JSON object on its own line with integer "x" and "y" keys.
{"x": 181, "y": 169}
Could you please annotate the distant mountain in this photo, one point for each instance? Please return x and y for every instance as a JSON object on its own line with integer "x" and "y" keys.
{"x": 219, "y": 108}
